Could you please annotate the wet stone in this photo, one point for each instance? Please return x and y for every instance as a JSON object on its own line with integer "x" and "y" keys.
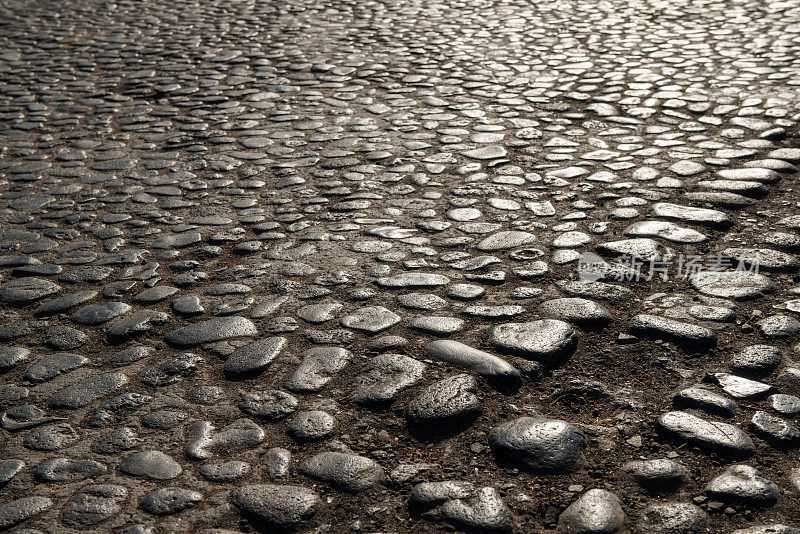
{"x": 774, "y": 428}
{"x": 690, "y": 335}
{"x": 15, "y": 512}
{"x": 756, "y": 360}
{"x": 714, "y": 436}
{"x": 217, "y": 329}
{"x": 385, "y": 377}
{"x": 372, "y": 319}
{"x": 151, "y": 464}
{"x": 68, "y": 470}
{"x": 347, "y": 472}
{"x": 253, "y": 359}
{"x": 270, "y": 405}
{"x": 93, "y": 504}
{"x": 311, "y": 425}
{"x": 487, "y": 365}
{"x": 25, "y": 290}
{"x": 169, "y": 501}
{"x": 671, "y": 518}
{"x": 744, "y": 484}
{"x": 447, "y": 402}
{"x": 540, "y": 445}
{"x": 596, "y": 510}
{"x": 318, "y": 367}
{"x": 283, "y": 507}
{"x": 225, "y": 471}
{"x": 659, "y": 475}
{"x": 546, "y": 340}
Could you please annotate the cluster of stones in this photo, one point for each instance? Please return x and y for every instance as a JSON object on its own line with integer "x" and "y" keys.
{"x": 314, "y": 266}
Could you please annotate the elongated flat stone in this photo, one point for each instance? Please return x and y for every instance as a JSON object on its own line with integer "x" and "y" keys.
{"x": 211, "y": 330}
{"x": 711, "y": 435}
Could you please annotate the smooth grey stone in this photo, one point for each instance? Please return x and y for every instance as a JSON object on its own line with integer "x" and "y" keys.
{"x": 778, "y": 326}
{"x": 665, "y": 230}
{"x": 595, "y": 290}
{"x": 319, "y": 313}
{"x": 283, "y": 507}
{"x": 318, "y": 368}
{"x": 738, "y": 285}
{"x": 96, "y": 314}
{"x": 671, "y": 518}
{"x": 163, "y": 419}
{"x": 129, "y": 356}
{"x": 11, "y": 394}
{"x": 548, "y": 341}
{"x": 413, "y": 280}
{"x": 15, "y": 512}
{"x": 785, "y": 404}
{"x": 581, "y": 312}
{"x": 151, "y": 464}
{"x": 11, "y": 356}
{"x": 438, "y": 326}
{"x": 187, "y": 306}
{"x": 225, "y": 472}
{"x": 385, "y": 377}
{"x": 421, "y": 301}
{"x": 431, "y": 493}
{"x": 689, "y": 214}
{"x": 276, "y": 462}
{"x": 63, "y": 337}
{"x": 53, "y": 365}
{"x": 21, "y": 291}
{"x": 446, "y": 402}
{"x": 506, "y": 240}
{"x": 484, "y": 511}
{"x": 311, "y": 425}
{"x": 68, "y": 470}
{"x": 372, "y": 319}
{"x": 169, "y": 501}
{"x": 155, "y": 294}
{"x": 88, "y": 391}
{"x": 756, "y": 360}
{"x": 217, "y": 329}
{"x": 465, "y": 291}
{"x": 691, "y": 336}
{"x": 135, "y": 323}
{"x": 62, "y": 304}
{"x": 704, "y": 399}
{"x": 738, "y": 387}
{"x": 121, "y": 439}
{"x": 595, "y": 512}
{"x": 714, "y": 436}
{"x": 659, "y": 476}
{"x": 347, "y": 472}
{"x": 766, "y": 259}
{"x": 9, "y": 469}
{"x": 775, "y": 429}
{"x": 477, "y": 361}
{"x": 540, "y": 445}
{"x": 171, "y": 371}
{"x": 251, "y": 360}
{"x": 93, "y": 504}
{"x": 643, "y": 248}
{"x": 743, "y": 484}
{"x": 242, "y": 434}
{"x": 270, "y": 405}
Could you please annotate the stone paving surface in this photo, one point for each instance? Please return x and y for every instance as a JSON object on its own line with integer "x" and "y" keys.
{"x": 399, "y": 266}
